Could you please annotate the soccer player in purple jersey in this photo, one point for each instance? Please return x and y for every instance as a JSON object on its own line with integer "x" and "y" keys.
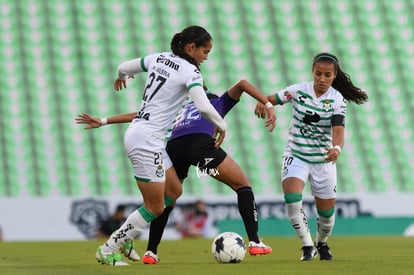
{"x": 192, "y": 143}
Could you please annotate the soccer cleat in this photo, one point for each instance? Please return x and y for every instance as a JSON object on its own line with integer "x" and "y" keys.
{"x": 324, "y": 252}
{"x": 309, "y": 252}
{"x": 109, "y": 259}
{"x": 128, "y": 249}
{"x": 256, "y": 249}
{"x": 150, "y": 258}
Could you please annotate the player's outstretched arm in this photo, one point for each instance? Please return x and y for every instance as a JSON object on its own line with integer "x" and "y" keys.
{"x": 94, "y": 122}
{"x": 243, "y": 85}
{"x": 260, "y": 110}
{"x": 126, "y": 70}
{"x": 208, "y": 111}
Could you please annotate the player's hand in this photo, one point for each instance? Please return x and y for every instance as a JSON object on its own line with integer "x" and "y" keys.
{"x": 271, "y": 119}
{"x": 219, "y": 137}
{"x": 260, "y": 110}
{"x": 91, "y": 121}
{"x": 119, "y": 84}
{"x": 332, "y": 155}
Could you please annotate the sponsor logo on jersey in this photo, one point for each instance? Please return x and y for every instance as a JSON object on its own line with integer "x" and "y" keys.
{"x": 311, "y": 117}
{"x": 168, "y": 62}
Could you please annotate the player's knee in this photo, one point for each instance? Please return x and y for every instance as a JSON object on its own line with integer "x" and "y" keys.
{"x": 173, "y": 194}
{"x": 239, "y": 185}
{"x": 169, "y": 201}
{"x": 156, "y": 208}
{"x": 177, "y": 193}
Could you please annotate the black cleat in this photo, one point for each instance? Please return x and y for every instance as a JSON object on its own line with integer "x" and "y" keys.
{"x": 324, "y": 252}
{"x": 309, "y": 252}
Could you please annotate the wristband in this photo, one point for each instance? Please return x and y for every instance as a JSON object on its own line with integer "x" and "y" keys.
{"x": 104, "y": 121}
{"x": 338, "y": 148}
{"x": 269, "y": 105}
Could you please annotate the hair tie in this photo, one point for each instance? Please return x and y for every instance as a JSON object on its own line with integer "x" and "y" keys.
{"x": 199, "y": 38}
{"x": 327, "y": 57}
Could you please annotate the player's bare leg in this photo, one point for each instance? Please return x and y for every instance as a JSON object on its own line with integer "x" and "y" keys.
{"x": 230, "y": 173}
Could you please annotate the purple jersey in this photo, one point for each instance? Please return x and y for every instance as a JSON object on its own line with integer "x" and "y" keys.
{"x": 191, "y": 122}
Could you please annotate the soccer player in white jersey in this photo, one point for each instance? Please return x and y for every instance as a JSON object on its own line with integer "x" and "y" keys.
{"x": 172, "y": 77}
{"x": 316, "y": 138}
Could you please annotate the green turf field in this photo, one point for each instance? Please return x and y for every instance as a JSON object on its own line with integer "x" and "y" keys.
{"x": 353, "y": 255}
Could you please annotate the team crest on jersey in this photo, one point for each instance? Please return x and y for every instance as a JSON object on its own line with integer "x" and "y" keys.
{"x": 287, "y": 95}
{"x": 160, "y": 171}
{"x": 327, "y": 105}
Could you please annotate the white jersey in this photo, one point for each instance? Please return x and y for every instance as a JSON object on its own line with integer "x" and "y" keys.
{"x": 310, "y": 131}
{"x": 169, "y": 79}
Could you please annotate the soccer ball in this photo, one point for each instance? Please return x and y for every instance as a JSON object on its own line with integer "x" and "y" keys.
{"x": 228, "y": 247}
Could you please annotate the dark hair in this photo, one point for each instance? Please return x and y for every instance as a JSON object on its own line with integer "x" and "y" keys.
{"x": 120, "y": 208}
{"x": 342, "y": 82}
{"x": 192, "y": 34}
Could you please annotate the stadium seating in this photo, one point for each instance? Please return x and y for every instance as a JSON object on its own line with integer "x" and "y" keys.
{"x": 60, "y": 59}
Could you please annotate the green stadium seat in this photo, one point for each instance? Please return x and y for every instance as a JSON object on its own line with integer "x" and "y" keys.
{"x": 60, "y": 58}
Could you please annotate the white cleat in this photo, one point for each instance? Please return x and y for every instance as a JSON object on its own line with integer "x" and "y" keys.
{"x": 109, "y": 259}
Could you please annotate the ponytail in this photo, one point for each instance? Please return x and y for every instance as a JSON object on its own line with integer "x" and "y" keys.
{"x": 192, "y": 34}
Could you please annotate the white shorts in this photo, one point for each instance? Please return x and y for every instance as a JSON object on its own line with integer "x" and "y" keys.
{"x": 147, "y": 154}
{"x": 322, "y": 177}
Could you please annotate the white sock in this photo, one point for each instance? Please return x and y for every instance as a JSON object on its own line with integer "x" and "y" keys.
{"x": 325, "y": 226}
{"x": 129, "y": 230}
{"x": 297, "y": 217}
